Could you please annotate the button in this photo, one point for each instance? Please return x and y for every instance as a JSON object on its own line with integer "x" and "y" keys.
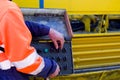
{"x": 64, "y": 50}
{"x": 46, "y": 50}
{"x": 64, "y": 59}
{"x": 65, "y": 67}
{"x": 58, "y": 59}
{"x": 39, "y": 51}
{"x": 52, "y": 50}
{"x": 58, "y": 50}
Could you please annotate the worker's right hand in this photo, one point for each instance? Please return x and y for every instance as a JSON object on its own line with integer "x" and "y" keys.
{"x": 55, "y": 73}
{"x": 57, "y": 38}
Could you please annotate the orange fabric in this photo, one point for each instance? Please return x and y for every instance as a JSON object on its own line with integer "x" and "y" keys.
{"x": 2, "y": 57}
{"x": 15, "y": 35}
{"x": 32, "y": 67}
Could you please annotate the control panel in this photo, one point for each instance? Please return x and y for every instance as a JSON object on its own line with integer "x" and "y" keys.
{"x": 61, "y": 56}
{"x": 58, "y": 20}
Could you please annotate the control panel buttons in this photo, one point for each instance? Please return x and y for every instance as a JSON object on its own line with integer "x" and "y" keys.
{"x": 64, "y": 59}
{"x": 58, "y": 59}
{"x": 61, "y": 56}
{"x": 46, "y": 50}
{"x": 52, "y": 50}
{"x": 65, "y": 67}
{"x": 39, "y": 51}
{"x": 64, "y": 50}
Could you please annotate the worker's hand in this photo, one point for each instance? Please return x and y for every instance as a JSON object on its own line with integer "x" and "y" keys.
{"x": 57, "y": 38}
{"x": 55, "y": 73}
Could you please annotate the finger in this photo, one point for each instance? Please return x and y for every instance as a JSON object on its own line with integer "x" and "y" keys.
{"x": 55, "y": 73}
{"x": 61, "y": 43}
{"x": 55, "y": 44}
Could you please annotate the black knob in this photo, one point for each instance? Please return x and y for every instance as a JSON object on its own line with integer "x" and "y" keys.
{"x": 64, "y": 50}
{"x": 65, "y": 67}
{"x": 57, "y": 50}
{"x": 58, "y": 59}
{"x": 52, "y": 50}
{"x": 64, "y": 59}
{"x": 39, "y": 51}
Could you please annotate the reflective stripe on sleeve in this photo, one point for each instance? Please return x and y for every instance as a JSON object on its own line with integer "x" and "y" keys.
{"x": 4, "y": 65}
{"x": 27, "y": 61}
{"x": 33, "y": 64}
{"x": 35, "y": 68}
{"x": 39, "y": 69}
{"x": 1, "y": 51}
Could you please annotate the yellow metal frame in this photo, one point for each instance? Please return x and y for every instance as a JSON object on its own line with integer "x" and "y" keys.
{"x": 76, "y": 6}
{"x": 100, "y": 75}
{"x": 92, "y": 50}
{"x": 86, "y": 6}
{"x": 27, "y": 3}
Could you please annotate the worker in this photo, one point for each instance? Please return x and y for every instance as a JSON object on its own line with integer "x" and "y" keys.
{"x": 19, "y": 60}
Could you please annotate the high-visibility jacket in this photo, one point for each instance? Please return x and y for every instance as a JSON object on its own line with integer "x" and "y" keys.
{"x": 15, "y": 38}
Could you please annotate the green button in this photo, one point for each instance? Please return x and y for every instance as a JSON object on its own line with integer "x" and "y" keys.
{"x": 46, "y": 50}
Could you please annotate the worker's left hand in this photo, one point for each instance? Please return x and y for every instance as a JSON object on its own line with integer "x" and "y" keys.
{"x": 55, "y": 73}
{"x": 57, "y": 38}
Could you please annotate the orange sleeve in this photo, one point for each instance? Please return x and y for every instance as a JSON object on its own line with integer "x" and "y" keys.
{"x": 17, "y": 38}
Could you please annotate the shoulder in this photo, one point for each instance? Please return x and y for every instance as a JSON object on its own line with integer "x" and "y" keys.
{"x": 6, "y": 7}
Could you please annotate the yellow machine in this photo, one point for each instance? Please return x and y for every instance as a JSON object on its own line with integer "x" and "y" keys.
{"x": 75, "y": 6}
{"x": 78, "y": 9}
{"x": 96, "y": 50}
